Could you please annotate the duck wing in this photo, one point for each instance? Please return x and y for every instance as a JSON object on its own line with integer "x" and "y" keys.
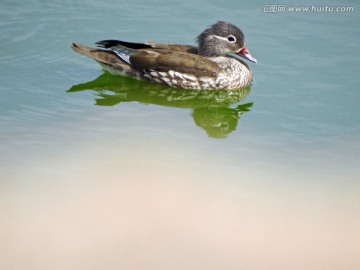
{"x": 164, "y": 60}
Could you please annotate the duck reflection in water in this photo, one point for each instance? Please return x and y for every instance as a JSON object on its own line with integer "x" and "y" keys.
{"x": 210, "y": 108}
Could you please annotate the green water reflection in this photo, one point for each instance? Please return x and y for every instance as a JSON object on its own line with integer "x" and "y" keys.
{"x": 217, "y": 112}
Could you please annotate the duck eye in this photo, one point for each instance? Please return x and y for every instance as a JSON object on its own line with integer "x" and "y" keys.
{"x": 231, "y": 39}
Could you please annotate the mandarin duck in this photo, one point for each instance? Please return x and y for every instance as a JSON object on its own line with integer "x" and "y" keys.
{"x": 214, "y": 64}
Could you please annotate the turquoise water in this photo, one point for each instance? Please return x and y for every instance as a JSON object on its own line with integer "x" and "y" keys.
{"x": 103, "y": 172}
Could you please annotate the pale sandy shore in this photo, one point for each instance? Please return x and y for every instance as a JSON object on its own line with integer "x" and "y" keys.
{"x": 102, "y": 211}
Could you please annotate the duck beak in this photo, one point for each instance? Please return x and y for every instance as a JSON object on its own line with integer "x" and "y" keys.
{"x": 243, "y": 52}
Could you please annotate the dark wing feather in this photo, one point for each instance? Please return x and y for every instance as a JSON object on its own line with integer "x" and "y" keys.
{"x": 147, "y": 45}
{"x": 132, "y": 45}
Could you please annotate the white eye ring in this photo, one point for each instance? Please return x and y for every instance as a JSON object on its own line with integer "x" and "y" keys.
{"x": 231, "y": 39}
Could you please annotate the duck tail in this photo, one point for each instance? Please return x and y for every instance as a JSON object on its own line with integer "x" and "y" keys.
{"x": 82, "y": 49}
{"x": 99, "y": 55}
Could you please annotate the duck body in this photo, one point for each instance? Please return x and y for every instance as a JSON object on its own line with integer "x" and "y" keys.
{"x": 214, "y": 64}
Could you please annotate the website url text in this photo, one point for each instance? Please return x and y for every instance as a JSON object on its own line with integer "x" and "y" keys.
{"x": 313, "y": 8}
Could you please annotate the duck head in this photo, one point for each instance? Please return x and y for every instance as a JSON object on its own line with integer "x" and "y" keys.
{"x": 223, "y": 39}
